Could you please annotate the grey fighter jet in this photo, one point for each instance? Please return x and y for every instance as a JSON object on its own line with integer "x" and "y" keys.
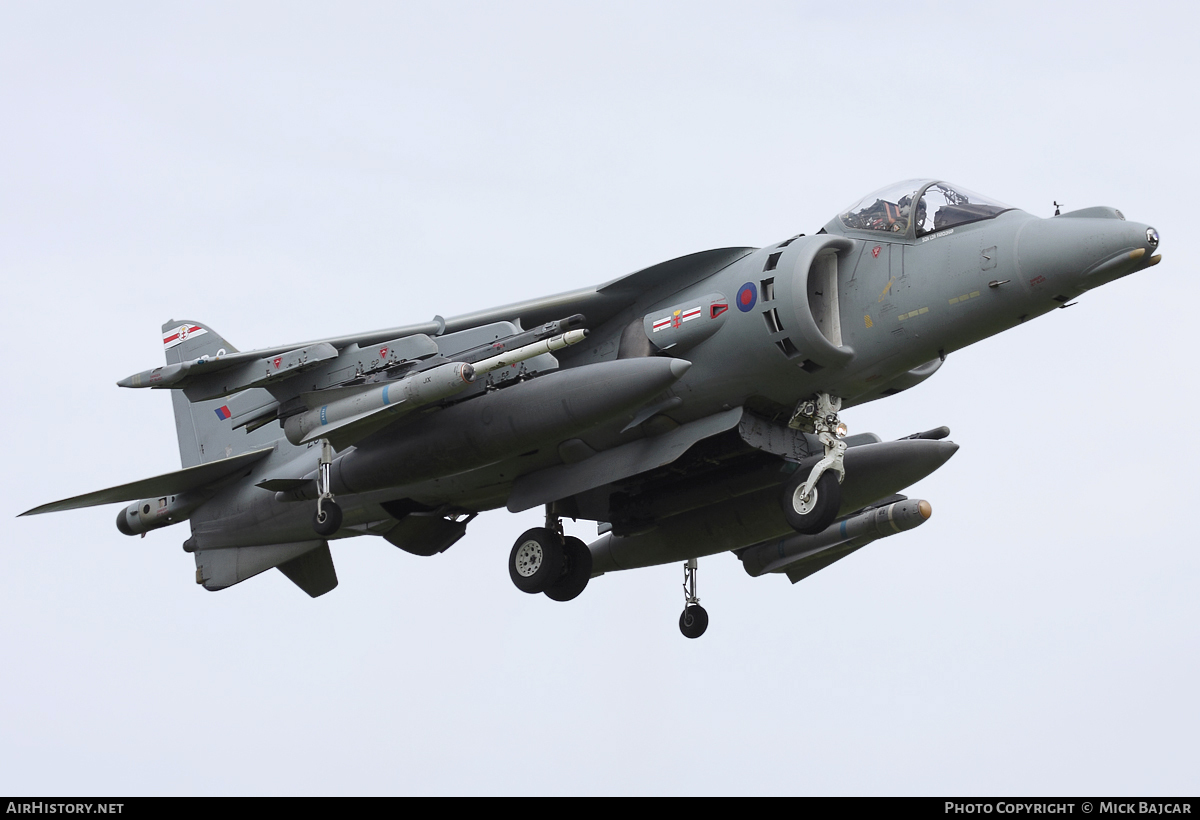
{"x": 689, "y": 408}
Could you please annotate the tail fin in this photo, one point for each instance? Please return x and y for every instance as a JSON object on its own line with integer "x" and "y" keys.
{"x": 204, "y": 428}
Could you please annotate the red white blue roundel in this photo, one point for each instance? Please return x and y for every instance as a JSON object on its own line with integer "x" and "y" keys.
{"x": 747, "y": 295}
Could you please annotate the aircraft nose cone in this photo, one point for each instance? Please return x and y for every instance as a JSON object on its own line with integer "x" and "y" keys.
{"x": 1071, "y": 255}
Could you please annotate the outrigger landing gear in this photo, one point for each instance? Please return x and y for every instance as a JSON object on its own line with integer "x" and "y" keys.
{"x": 328, "y": 518}
{"x": 694, "y": 620}
{"x": 810, "y": 503}
{"x": 544, "y": 560}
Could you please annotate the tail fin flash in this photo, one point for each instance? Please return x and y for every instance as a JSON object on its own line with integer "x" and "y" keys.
{"x": 184, "y": 340}
{"x": 204, "y": 428}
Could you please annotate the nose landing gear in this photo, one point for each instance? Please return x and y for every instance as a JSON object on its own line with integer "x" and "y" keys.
{"x": 811, "y": 504}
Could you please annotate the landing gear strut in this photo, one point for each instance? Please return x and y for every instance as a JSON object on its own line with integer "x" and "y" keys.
{"x": 694, "y": 620}
{"x": 544, "y": 560}
{"x": 811, "y": 503}
{"x": 328, "y": 518}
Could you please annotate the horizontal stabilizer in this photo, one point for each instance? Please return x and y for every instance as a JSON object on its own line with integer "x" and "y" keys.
{"x": 180, "y": 481}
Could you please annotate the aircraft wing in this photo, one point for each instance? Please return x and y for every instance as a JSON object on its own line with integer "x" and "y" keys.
{"x": 175, "y": 483}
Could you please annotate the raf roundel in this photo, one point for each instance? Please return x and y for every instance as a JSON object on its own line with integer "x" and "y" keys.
{"x": 747, "y": 295}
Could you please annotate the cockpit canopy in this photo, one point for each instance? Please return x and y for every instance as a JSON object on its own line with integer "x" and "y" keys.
{"x": 939, "y": 205}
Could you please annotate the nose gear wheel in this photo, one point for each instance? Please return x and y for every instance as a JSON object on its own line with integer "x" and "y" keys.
{"x": 810, "y": 503}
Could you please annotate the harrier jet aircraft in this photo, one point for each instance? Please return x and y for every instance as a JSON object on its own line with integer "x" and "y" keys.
{"x": 689, "y": 408}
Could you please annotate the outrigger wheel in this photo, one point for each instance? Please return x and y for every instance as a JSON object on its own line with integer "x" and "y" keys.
{"x": 328, "y": 518}
{"x": 536, "y": 561}
{"x": 694, "y": 619}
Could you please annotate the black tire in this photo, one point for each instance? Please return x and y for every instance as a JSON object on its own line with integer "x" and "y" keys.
{"x": 693, "y": 621}
{"x": 577, "y": 571}
{"x": 328, "y": 519}
{"x": 536, "y": 560}
{"x": 822, "y": 507}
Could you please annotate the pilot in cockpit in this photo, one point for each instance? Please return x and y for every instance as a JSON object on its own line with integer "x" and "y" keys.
{"x": 885, "y": 216}
{"x": 891, "y": 209}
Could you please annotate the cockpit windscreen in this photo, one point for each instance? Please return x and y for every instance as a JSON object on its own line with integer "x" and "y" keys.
{"x": 939, "y": 205}
{"x": 888, "y": 209}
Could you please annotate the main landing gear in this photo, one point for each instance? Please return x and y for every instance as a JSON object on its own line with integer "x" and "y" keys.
{"x": 694, "y": 619}
{"x": 810, "y": 503}
{"x": 544, "y": 560}
{"x": 328, "y": 518}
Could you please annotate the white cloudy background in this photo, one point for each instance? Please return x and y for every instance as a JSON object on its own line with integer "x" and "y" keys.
{"x": 287, "y": 171}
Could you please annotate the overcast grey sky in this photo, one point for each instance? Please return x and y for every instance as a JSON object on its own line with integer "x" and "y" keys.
{"x": 288, "y": 171}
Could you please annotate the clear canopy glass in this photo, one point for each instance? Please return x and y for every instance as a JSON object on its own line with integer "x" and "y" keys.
{"x": 887, "y": 209}
{"x": 939, "y": 205}
{"x": 944, "y": 206}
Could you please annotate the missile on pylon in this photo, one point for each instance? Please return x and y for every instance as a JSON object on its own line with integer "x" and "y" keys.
{"x": 335, "y": 410}
{"x": 801, "y": 555}
{"x": 332, "y": 413}
{"x": 511, "y": 357}
{"x": 500, "y": 424}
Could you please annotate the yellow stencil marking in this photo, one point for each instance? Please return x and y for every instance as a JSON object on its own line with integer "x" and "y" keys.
{"x": 954, "y": 301}
{"x": 886, "y": 288}
{"x": 974, "y": 294}
{"x": 923, "y": 310}
{"x": 867, "y": 321}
